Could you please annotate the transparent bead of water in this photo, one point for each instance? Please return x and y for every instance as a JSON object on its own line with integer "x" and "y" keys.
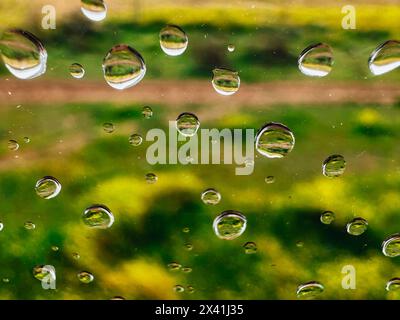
{"x": 309, "y": 290}
{"x": 95, "y": 10}
{"x": 76, "y": 71}
{"x": 316, "y": 60}
{"x": 226, "y": 82}
{"x": 211, "y": 196}
{"x": 229, "y": 225}
{"x": 173, "y": 40}
{"x": 357, "y": 226}
{"x": 85, "y": 277}
{"x": 98, "y": 216}
{"x": 385, "y": 58}
{"x": 334, "y": 166}
{"x": 327, "y": 217}
{"x": 274, "y": 140}
{"x": 187, "y": 124}
{"x": 391, "y": 246}
{"x": 48, "y": 187}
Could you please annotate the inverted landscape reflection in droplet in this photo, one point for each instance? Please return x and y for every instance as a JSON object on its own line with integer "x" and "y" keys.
{"x": 385, "y": 58}
{"x": 316, "y": 60}
{"x": 173, "y": 40}
{"x": 95, "y": 10}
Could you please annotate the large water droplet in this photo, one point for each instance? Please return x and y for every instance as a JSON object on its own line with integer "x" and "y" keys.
{"x": 95, "y": 10}
{"x": 250, "y": 247}
{"x": 98, "y": 216}
{"x": 135, "y": 139}
{"x": 309, "y": 290}
{"x": 225, "y": 82}
{"x": 393, "y": 284}
{"x": 108, "y": 127}
{"x": 211, "y": 196}
{"x": 327, "y": 217}
{"x": 316, "y": 60}
{"x": 187, "y": 124}
{"x": 334, "y": 166}
{"x": 385, "y": 58}
{"x": 48, "y": 187}
{"x": 23, "y": 54}
{"x": 391, "y": 246}
{"x": 147, "y": 112}
{"x": 229, "y": 225}
{"x": 274, "y": 140}
{"x": 357, "y": 226}
{"x": 85, "y": 277}
{"x": 173, "y": 40}
{"x": 76, "y": 70}
{"x": 123, "y": 67}
{"x": 151, "y": 178}
{"x": 13, "y": 145}
{"x": 42, "y": 271}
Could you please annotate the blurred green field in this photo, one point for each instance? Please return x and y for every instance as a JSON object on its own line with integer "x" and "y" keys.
{"x": 131, "y": 258}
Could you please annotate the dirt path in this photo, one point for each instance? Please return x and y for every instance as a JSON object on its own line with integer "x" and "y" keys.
{"x": 178, "y": 93}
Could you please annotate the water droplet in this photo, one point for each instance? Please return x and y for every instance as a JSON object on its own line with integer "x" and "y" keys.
{"x": 188, "y": 246}
{"x": 76, "y": 256}
{"x": 13, "y": 145}
{"x": 151, "y": 178}
{"x": 186, "y": 230}
{"x": 117, "y": 298}
{"x": 225, "y": 82}
{"x": 48, "y": 187}
{"x": 393, "y": 284}
{"x": 147, "y": 112}
{"x": 229, "y": 225}
{"x": 211, "y": 196}
{"x": 98, "y": 216}
{"x": 274, "y": 140}
{"x": 187, "y": 124}
{"x": 309, "y": 290}
{"x": 316, "y": 60}
{"x": 231, "y": 47}
{"x": 108, "y": 127}
{"x": 327, "y": 217}
{"x": 391, "y": 246}
{"x": 250, "y": 247}
{"x": 385, "y": 58}
{"x": 1, "y": 226}
{"x": 27, "y": 139}
{"x": 95, "y": 10}
{"x": 54, "y": 248}
{"x": 334, "y": 166}
{"x": 178, "y": 288}
{"x": 6, "y": 280}
{"x": 135, "y": 139}
{"x": 123, "y": 67}
{"x": 174, "y": 266}
{"x": 23, "y": 54}
{"x": 85, "y": 277}
{"x": 186, "y": 269}
{"x": 190, "y": 289}
{"x": 270, "y": 179}
{"x": 76, "y": 70}
{"x": 173, "y": 40}
{"x": 42, "y": 271}
{"x": 357, "y": 226}
{"x": 28, "y": 225}
{"x": 299, "y": 244}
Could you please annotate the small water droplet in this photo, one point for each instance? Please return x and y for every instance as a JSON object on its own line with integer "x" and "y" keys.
{"x": 23, "y": 54}
{"x": 211, "y": 196}
{"x": 309, "y": 290}
{"x": 250, "y": 247}
{"x": 186, "y": 269}
{"x": 108, "y": 127}
{"x": 187, "y": 124}
{"x": 225, "y": 82}
{"x": 316, "y": 60}
{"x": 357, "y": 226}
{"x": 393, "y": 284}
{"x": 274, "y": 140}
{"x": 270, "y": 179}
{"x": 98, "y": 216}
{"x": 385, "y": 58}
{"x": 174, "y": 266}
{"x": 54, "y": 248}
{"x": 188, "y": 246}
{"x": 178, "y": 288}
{"x": 95, "y": 10}
{"x": 173, "y": 40}
{"x": 327, "y": 217}
{"x": 147, "y": 112}
{"x": 76, "y": 70}
{"x": 190, "y": 289}
{"x": 6, "y": 280}
{"x": 391, "y": 246}
{"x": 1, "y": 226}
{"x": 28, "y": 225}
{"x": 27, "y": 139}
{"x": 48, "y": 187}
{"x": 123, "y": 67}
{"x": 13, "y": 145}
{"x": 334, "y": 166}
{"x": 42, "y": 271}
{"x": 151, "y": 178}
{"x": 186, "y": 230}
{"x": 229, "y": 225}
{"x": 85, "y": 277}
{"x": 299, "y": 244}
{"x": 231, "y": 47}
{"x": 117, "y": 298}
{"x": 76, "y": 255}
{"x": 135, "y": 139}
